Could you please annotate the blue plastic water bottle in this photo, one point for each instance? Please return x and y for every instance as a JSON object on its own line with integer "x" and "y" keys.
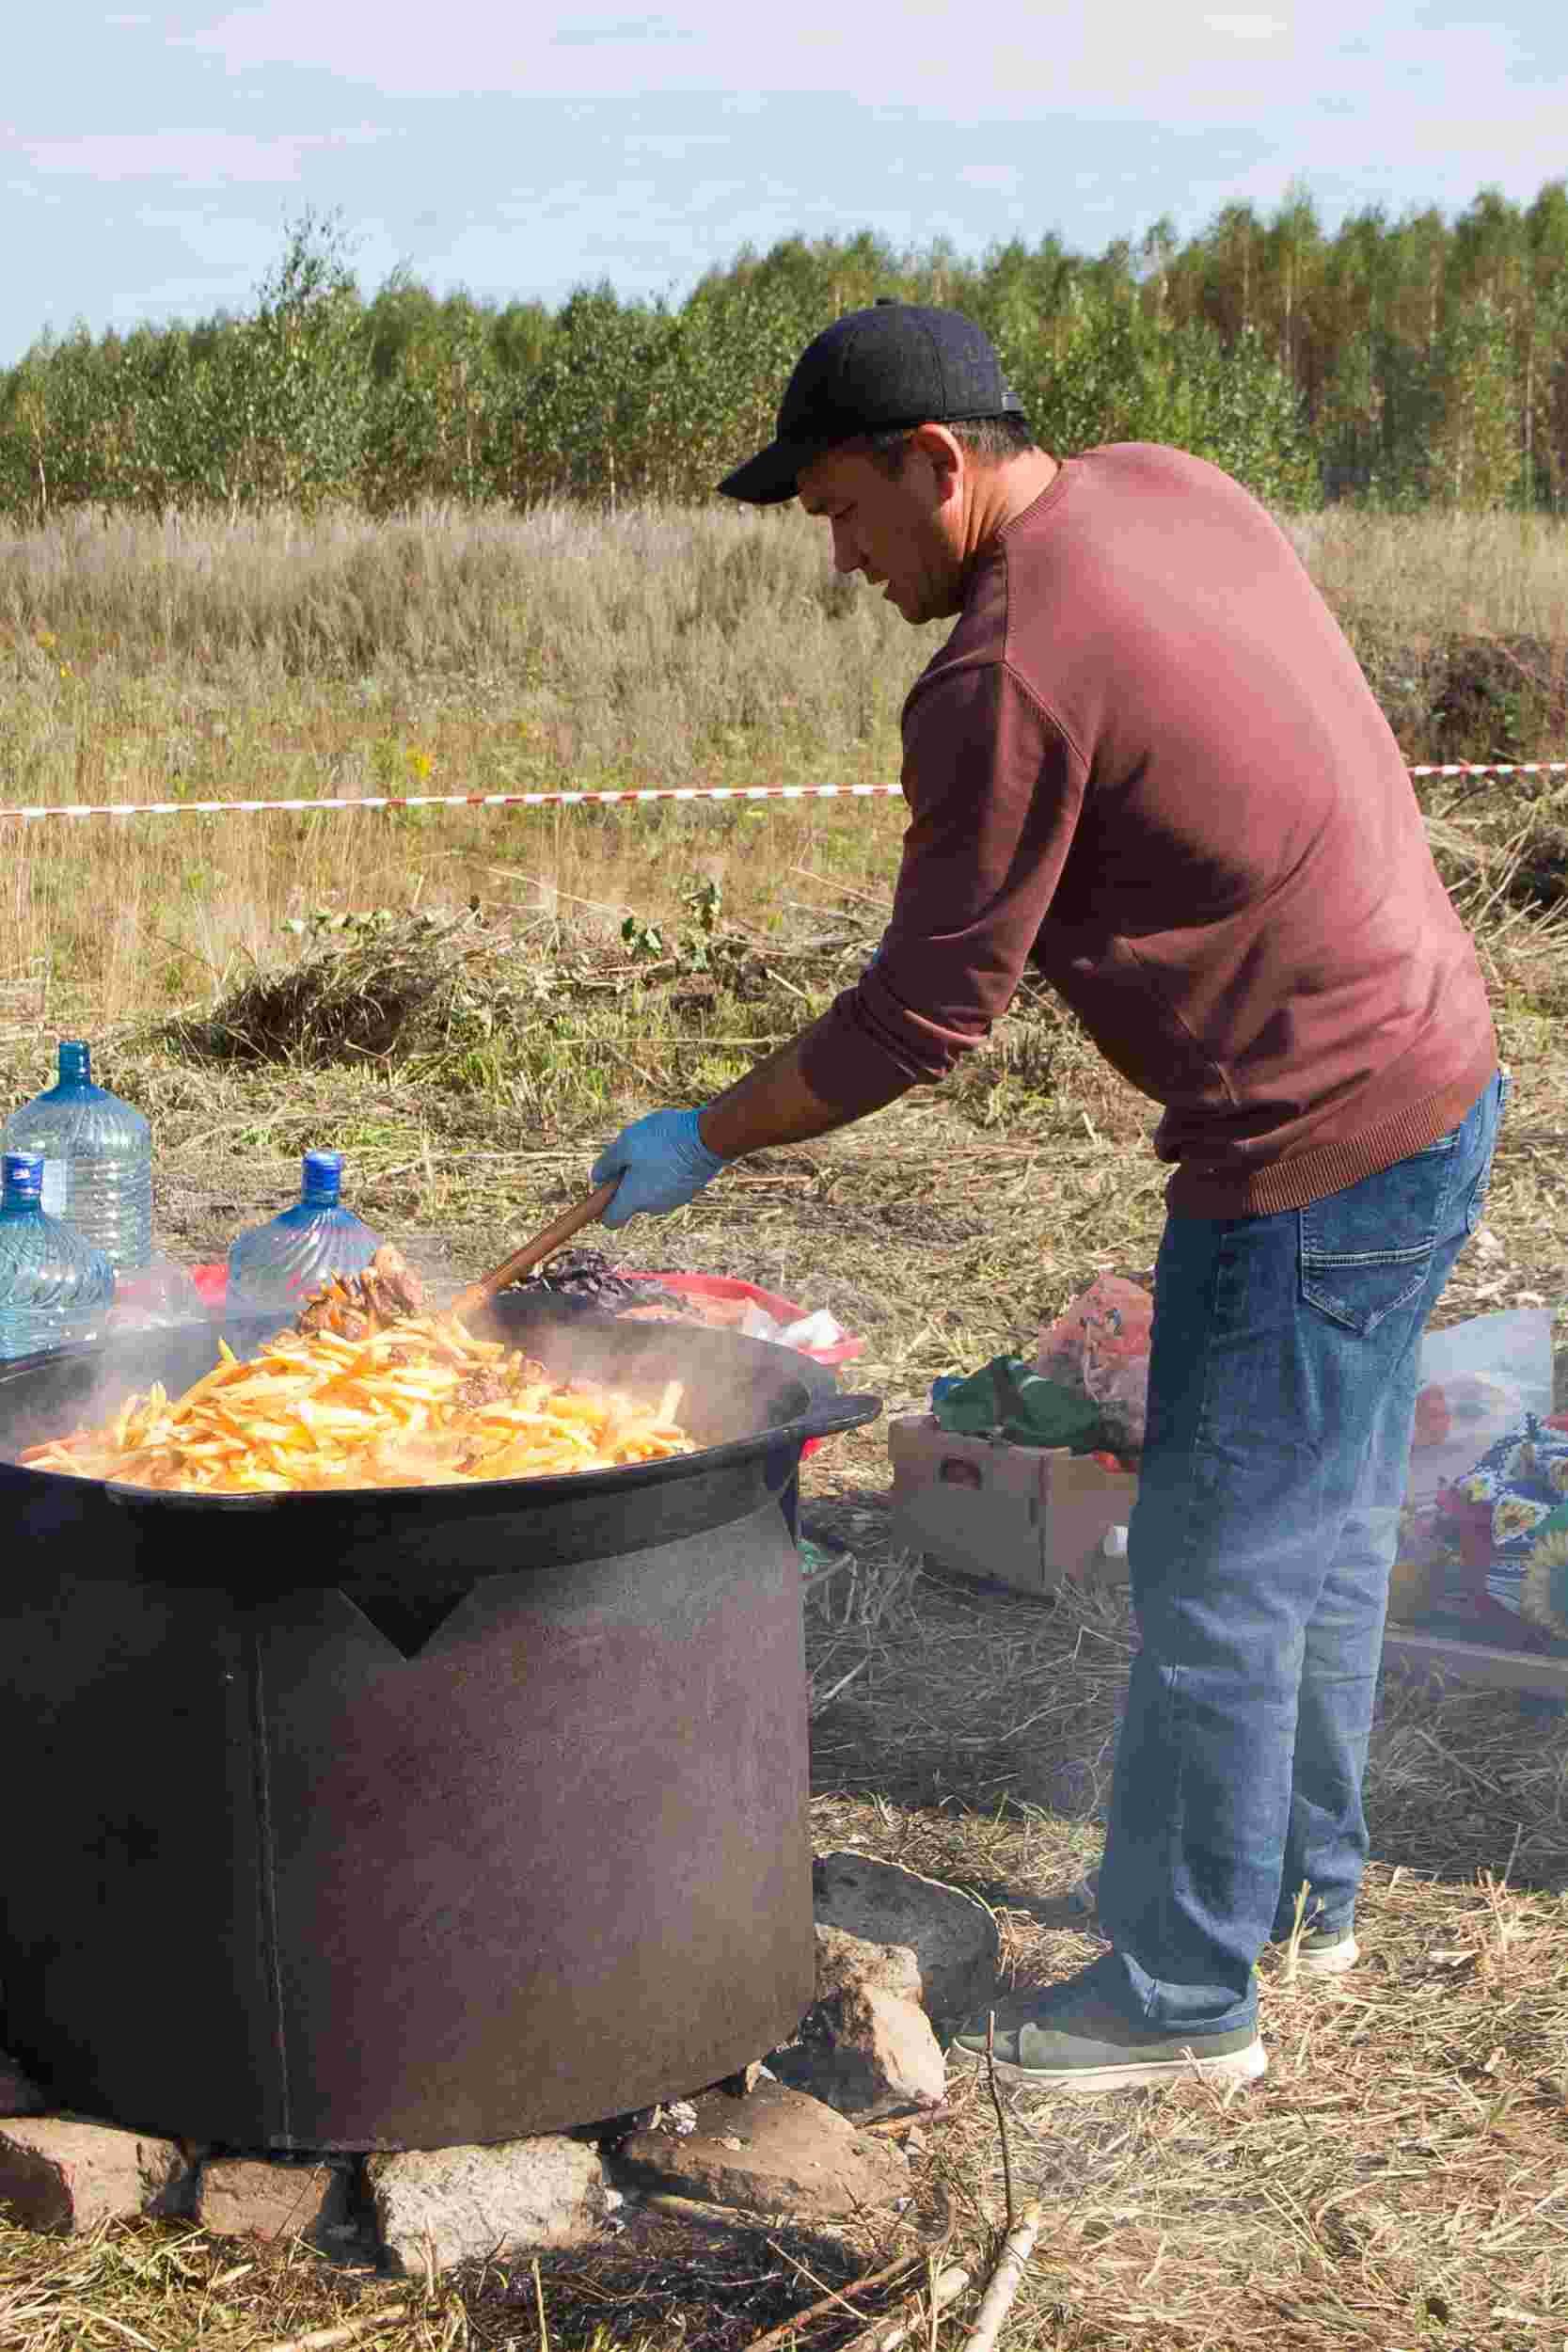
{"x": 275, "y": 1267}
{"x": 54, "y": 1287}
{"x": 97, "y": 1155}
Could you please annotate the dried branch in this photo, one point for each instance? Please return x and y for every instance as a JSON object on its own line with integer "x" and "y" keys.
{"x": 883, "y": 2337}
{"x": 997, "y": 2301}
{"x": 833, "y": 2300}
{"x": 1001, "y": 2117}
{"x": 894, "y": 2126}
{"x": 351, "y": 2331}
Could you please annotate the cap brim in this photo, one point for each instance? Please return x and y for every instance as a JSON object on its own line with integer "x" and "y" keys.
{"x": 770, "y": 477}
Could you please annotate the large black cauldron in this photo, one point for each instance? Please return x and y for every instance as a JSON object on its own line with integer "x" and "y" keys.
{"x": 415, "y": 1816}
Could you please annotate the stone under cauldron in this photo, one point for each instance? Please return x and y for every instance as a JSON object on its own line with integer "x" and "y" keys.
{"x": 428, "y": 1820}
{"x": 867, "y": 2046}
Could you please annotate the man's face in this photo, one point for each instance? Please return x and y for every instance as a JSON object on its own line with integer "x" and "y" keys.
{"x": 902, "y": 532}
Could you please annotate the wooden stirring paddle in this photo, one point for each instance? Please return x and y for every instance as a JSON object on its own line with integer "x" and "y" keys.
{"x": 533, "y": 1253}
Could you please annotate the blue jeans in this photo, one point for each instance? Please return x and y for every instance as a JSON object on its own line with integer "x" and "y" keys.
{"x": 1282, "y": 1392}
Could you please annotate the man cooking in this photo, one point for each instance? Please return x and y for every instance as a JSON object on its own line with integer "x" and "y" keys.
{"x": 1146, "y": 761}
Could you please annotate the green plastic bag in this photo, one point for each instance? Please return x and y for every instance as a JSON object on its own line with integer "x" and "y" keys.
{"x": 1006, "y": 1398}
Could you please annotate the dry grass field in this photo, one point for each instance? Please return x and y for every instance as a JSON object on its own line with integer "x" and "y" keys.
{"x": 1401, "y": 2176}
{"x": 456, "y": 652}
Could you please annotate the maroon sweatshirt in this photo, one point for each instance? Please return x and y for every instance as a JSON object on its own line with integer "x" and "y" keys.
{"x": 1146, "y": 760}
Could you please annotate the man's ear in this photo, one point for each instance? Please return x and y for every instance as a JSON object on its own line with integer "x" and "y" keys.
{"x": 943, "y": 454}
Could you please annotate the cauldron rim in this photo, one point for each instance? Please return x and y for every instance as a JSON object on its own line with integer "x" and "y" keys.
{"x": 823, "y": 1411}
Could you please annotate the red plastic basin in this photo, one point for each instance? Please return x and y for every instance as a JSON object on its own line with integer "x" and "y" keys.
{"x": 212, "y": 1281}
{"x": 782, "y": 1309}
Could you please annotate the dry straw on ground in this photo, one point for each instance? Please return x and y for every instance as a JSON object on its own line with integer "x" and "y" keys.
{"x": 1395, "y": 2179}
{"x": 367, "y": 994}
{"x": 1398, "y": 2178}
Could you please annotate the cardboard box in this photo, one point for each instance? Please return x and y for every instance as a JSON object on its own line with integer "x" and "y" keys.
{"x": 1026, "y": 1515}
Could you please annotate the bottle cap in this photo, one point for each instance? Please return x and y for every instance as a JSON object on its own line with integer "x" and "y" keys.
{"x": 76, "y": 1059}
{"x": 23, "y": 1174}
{"x": 322, "y": 1171}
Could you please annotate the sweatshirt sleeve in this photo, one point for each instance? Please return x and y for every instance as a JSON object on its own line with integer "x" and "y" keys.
{"x": 994, "y": 789}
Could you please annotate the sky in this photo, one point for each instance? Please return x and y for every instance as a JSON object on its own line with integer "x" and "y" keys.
{"x": 151, "y": 159}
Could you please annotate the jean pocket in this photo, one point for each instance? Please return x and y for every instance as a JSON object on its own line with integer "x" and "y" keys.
{"x": 1475, "y": 1208}
{"x": 1368, "y": 1250}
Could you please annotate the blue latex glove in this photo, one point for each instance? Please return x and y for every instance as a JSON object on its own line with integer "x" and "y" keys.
{"x": 661, "y": 1161}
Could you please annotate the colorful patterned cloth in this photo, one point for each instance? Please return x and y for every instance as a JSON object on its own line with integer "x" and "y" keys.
{"x": 1508, "y": 1521}
{"x": 1544, "y": 1589}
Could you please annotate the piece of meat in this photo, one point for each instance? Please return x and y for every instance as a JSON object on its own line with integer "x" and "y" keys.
{"x": 378, "y": 1299}
{"x": 357, "y": 1305}
{"x": 336, "y": 1308}
{"x": 396, "y": 1289}
{"x": 319, "y": 1312}
{"x": 486, "y": 1387}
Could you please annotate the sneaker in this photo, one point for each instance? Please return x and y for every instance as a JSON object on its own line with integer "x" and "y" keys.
{"x": 1071, "y": 2039}
{"x": 1322, "y": 1951}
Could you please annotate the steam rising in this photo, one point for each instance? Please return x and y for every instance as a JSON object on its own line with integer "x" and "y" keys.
{"x": 734, "y": 1388}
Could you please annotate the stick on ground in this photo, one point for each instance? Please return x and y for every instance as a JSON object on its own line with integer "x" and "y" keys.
{"x": 997, "y": 2300}
{"x": 715, "y": 2216}
{"x": 891, "y": 2126}
{"x": 351, "y": 2331}
{"x": 830, "y": 2302}
{"x": 888, "y": 2332}
{"x": 1001, "y": 2119}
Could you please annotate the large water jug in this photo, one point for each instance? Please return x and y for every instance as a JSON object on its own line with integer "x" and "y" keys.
{"x": 54, "y": 1287}
{"x": 275, "y": 1267}
{"x": 97, "y": 1155}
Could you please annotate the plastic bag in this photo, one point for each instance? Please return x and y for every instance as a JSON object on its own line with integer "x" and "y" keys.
{"x": 158, "y": 1296}
{"x": 1478, "y": 1379}
{"x": 1098, "y": 1347}
{"x": 817, "y": 1329}
{"x": 1004, "y": 1399}
{"x": 1499, "y": 1512}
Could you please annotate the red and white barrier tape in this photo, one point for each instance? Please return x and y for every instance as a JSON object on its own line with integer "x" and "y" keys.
{"x": 1499, "y": 768}
{"x": 466, "y": 799}
{"x": 591, "y": 800}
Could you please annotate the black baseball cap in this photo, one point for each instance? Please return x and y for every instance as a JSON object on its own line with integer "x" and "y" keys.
{"x": 899, "y": 364}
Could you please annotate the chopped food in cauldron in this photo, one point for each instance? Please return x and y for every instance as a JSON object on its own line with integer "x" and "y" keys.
{"x": 367, "y": 1392}
{"x": 354, "y": 1305}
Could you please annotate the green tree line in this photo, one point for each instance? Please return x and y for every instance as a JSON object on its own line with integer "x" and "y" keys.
{"x": 1395, "y": 362}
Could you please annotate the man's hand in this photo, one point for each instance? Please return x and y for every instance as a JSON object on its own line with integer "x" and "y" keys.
{"x": 661, "y": 1161}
